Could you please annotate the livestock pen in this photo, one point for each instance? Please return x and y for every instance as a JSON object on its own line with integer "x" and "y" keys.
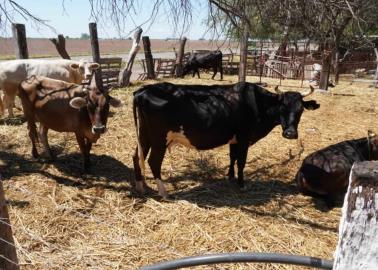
{"x": 63, "y": 219}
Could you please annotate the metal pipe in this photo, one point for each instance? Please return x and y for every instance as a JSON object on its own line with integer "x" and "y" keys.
{"x": 241, "y": 257}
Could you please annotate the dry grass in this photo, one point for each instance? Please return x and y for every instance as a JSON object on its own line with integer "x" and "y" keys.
{"x": 65, "y": 220}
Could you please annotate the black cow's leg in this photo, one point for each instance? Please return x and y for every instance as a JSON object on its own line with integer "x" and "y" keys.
{"x": 241, "y": 159}
{"x": 194, "y": 73}
{"x": 215, "y": 72}
{"x": 233, "y": 156}
{"x": 155, "y": 160}
{"x": 83, "y": 148}
{"x": 221, "y": 71}
{"x": 197, "y": 71}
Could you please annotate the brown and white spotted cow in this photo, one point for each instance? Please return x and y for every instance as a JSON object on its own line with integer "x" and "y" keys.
{"x": 326, "y": 172}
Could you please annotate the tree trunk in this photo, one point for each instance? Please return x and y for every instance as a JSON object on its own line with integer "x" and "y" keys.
{"x": 125, "y": 74}
{"x": 337, "y": 65}
{"x": 326, "y": 65}
{"x": 358, "y": 232}
{"x": 19, "y": 37}
{"x": 179, "y": 57}
{"x": 243, "y": 55}
{"x": 96, "y": 52}
{"x": 8, "y": 254}
{"x": 60, "y": 45}
{"x": 376, "y": 71}
{"x": 149, "y": 60}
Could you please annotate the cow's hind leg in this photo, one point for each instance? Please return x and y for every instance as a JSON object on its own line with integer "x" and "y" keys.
{"x": 215, "y": 69}
{"x": 155, "y": 160}
{"x": 138, "y": 160}
{"x": 8, "y": 102}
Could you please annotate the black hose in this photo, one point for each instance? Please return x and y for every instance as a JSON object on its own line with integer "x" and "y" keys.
{"x": 242, "y": 257}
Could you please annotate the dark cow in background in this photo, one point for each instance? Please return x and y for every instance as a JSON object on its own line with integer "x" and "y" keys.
{"x": 204, "y": 117}
{"x": 65, "y": 107}
{"x": 326, "y": 172}
{"x": 210, "y": 60}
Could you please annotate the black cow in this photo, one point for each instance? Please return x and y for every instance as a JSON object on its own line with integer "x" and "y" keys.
{"x": 205, "y": 117}
{"x": 326, "y": 172}
{"x": 206, "y": 61}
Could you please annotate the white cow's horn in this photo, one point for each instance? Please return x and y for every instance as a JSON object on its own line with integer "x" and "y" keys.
{"x": 308, "y": 92}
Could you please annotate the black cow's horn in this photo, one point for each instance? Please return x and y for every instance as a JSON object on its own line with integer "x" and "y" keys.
{"x": 308, "y": 92}
{"x": 278, "y": 91}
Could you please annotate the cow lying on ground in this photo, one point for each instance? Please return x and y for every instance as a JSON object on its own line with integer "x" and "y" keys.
{"x": 65, "y": 107}
{"x": 210, "y": 60}
{"x": 13, "y": 72}
{"x": 204, "y": 117}
{"x": 326, "y": 172}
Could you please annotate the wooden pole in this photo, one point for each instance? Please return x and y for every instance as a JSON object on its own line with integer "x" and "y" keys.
{"x": 60, "y": 45}
{"x": 148, "y": 56}
{"x": 179, "y": 57}
{"x": 243, "y": 55}
{"x": 95, "y": 52}
{"x": 8, "y": 254}
{"x": 125, "y": 74}
{"x": 357, "y": 248}
{"x": 20, "y": 44}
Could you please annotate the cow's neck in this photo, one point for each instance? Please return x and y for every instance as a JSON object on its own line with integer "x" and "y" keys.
{"x": 268, "y": 106}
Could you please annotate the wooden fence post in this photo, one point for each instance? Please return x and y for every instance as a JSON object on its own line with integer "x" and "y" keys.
{"x": 358, "y": 232}
{"x": 8, "y": 254}
{"x": 95, "y": 51}
{"x": 125, "y": 74}
{"x": 60, "y": 45}
{"x": 148, "y": 56}
{"x": 19, "y": 37}
{"x": 243, "y": 55}
{"x": 179, "y": 57}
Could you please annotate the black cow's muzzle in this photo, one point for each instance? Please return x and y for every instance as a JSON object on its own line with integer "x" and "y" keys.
{"x": 290, "y": 133}
{"x": 98, "y": 129}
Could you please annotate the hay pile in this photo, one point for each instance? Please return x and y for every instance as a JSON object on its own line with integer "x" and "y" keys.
{"x": 65, "y": 220}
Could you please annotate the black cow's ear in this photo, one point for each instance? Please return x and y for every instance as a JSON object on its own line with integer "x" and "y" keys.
{"x": 311, "y": 105}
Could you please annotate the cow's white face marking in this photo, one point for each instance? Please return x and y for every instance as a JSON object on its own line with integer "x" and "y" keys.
{"x": 233, "y": 140}
{"x": 178, "y": 138}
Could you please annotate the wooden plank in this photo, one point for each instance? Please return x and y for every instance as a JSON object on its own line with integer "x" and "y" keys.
{"x": 111, "y": 60}
{"x": 148, "y": 57}
{"x": 8, "y": 254}
{"x": 357, "y": 248}
{"x": 19, "y": 38}
{"x": 95, "y": 51}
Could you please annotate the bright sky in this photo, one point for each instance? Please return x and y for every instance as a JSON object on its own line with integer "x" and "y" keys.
{"x": 74, "y": 19}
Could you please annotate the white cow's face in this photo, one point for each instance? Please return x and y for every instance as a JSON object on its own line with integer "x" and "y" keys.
{"x": 85, "y": 68}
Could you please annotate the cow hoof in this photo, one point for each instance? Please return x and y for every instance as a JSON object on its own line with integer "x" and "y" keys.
{"x": 35, "y": 154}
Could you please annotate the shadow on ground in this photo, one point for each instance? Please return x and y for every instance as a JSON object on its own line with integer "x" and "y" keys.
{"x": 105, "y": 172}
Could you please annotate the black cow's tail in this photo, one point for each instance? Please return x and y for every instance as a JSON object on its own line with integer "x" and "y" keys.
{"x": 140, "y": 150}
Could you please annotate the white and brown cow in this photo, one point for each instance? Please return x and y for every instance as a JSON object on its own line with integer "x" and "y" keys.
{"x": 13, "y": 72}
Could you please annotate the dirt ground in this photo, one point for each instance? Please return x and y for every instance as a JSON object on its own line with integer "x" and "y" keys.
{"x": 63, "y": 219}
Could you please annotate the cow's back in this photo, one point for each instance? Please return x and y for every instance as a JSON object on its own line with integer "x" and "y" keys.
{"x": 327, "y": 171}
{"x": 15, "y": 71}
